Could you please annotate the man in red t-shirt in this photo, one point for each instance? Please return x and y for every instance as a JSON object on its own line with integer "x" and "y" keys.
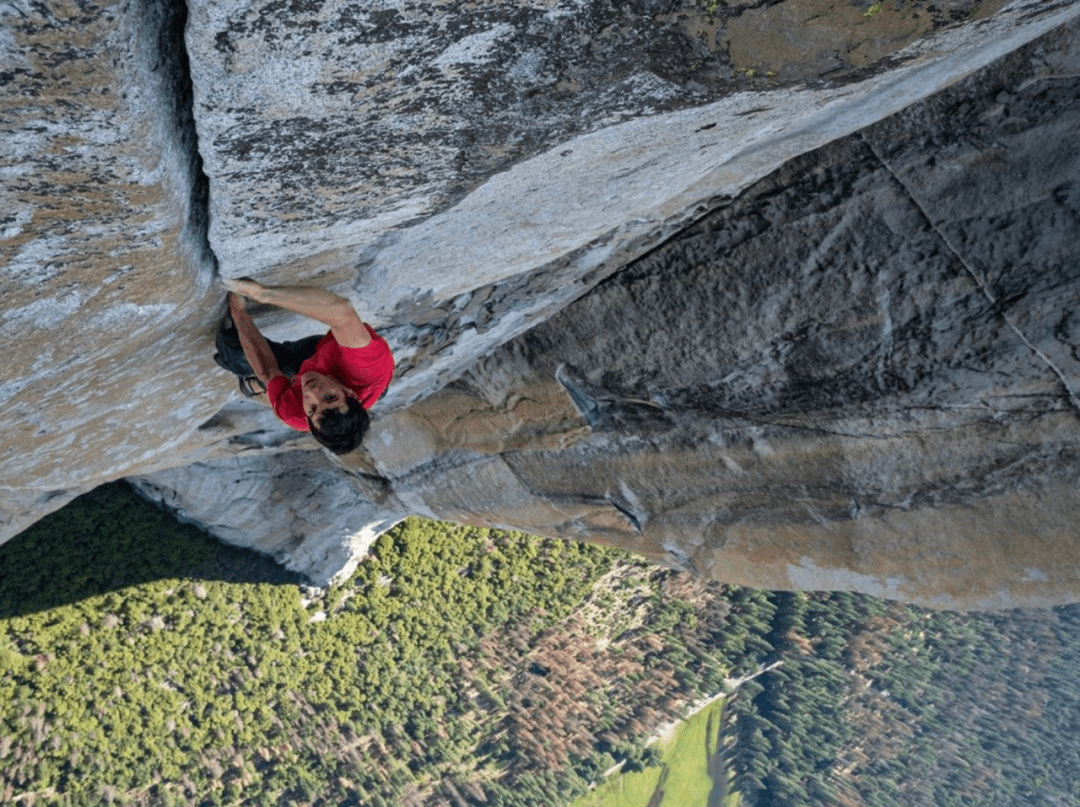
{"x": 322, "y": 385}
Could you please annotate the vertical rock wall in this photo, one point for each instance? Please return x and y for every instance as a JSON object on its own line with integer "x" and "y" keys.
{"x": 857, "y": 351}
{"x": 464, "y": 174}
{"x": 104, "y": 244}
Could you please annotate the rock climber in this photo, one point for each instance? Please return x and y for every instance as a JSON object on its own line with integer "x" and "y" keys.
{"x": 322, "y": 384}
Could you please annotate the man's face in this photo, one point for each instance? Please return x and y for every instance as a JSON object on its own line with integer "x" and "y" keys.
{"x": 322, "y": 393}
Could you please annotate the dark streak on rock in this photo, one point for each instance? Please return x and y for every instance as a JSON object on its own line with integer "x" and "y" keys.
{"x": 163, "y": 30}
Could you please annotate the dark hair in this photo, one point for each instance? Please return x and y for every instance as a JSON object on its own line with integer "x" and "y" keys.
{"x": 341, "y": 432}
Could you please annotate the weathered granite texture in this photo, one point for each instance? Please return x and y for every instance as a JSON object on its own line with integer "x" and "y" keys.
{"x": 649, "y": 277}
{"x": 104, "y": 250}
{"x": 297, "y": 506}
{"x": 861, "y": 373}
{"x": 524, "y": 152}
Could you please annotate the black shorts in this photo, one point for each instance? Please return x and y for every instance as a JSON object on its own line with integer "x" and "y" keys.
{"x": 289, "y": 355}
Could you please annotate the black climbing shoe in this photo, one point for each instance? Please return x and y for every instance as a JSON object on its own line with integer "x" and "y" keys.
{"x": 252, "y": 387}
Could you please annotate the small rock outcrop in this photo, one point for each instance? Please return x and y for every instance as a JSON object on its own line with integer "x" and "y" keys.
{"x": 678, "y": 280}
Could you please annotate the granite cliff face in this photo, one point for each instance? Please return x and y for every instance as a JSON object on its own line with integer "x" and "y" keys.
{"x": 784, "y": 294}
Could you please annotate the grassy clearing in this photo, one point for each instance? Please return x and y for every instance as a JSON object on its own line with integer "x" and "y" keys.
{"x": 688, "y": 783}
{"x": 683, "y": 773}
{"x": 625, "y": 790}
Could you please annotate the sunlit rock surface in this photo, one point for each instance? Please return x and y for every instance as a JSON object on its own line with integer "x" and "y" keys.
{"x": 784, "y": 314}
{"x": 107, "y": 281}
{"x": 465, "y": 173}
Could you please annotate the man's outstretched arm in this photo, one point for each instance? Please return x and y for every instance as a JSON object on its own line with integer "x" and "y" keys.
{"x": 319, "y": 304}
{"x": 256, "y": 348}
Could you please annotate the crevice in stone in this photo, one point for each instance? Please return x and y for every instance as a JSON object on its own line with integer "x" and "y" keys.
{"x": 980, "y": 281}
{"x": 627, "y": 513}
{"x": 682, "y": 560}
{"x": 587, "y": 407}
{"x": 162, "y": 31}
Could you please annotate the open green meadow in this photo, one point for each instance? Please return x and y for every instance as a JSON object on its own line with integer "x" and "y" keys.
{"x": 683, "y": 777}
{"x": 144, "y": 663}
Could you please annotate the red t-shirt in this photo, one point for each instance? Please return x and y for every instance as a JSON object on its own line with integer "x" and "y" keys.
{"x": 365, "y": 370}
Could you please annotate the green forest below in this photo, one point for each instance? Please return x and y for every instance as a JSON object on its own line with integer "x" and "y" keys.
{"x": 142, "y": 662}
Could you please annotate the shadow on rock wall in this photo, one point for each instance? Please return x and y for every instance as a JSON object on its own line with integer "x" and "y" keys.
{"x": 108, "y": 540}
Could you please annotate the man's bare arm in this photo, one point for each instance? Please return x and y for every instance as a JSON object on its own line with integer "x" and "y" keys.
{"x": 319, "y": 304}
{"x": 256, "y": 348}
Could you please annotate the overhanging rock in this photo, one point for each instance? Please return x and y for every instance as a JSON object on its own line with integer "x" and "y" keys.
{"x": 858, "y": 374}
{"x": 442, "y": 171}
{"x": 490, "y": 184}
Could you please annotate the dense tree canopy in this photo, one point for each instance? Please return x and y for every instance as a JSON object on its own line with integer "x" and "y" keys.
{"x": 144, "y": 663}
